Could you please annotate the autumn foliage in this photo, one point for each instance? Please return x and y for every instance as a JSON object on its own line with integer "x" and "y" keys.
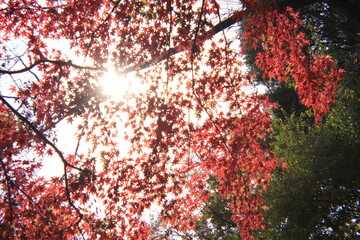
{"x": 196, "y": 119}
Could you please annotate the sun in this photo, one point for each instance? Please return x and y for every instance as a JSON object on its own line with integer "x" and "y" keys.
{"x": 116, "y": 86}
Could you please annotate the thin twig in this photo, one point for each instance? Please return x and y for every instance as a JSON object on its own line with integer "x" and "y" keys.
{"x": 100, "y": 25}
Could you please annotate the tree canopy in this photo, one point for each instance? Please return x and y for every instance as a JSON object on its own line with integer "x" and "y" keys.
{"x": 194, "y": 120}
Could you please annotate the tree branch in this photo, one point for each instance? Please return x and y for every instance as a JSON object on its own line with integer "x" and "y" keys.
{"x": 8, "y": 181}
{"x": 56, "y": 62}
{"x": 39, "y": 134}
{"x": 52, "y": 145}
{"x": 234, "y": 18}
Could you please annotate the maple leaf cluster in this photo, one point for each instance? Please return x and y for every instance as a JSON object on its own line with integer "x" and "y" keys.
{"x": 195, "y": 120}
{"x": 285, "y": 56}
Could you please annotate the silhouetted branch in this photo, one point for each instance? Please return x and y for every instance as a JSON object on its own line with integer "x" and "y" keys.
{"x": 234, "y": 18}
{"x": 8, "y": 181}
{"x": 56, "y": 62}
{"x": 52, "y": 145}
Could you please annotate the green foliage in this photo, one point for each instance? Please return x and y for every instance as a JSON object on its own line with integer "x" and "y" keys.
{"x": 317, "y": 195}
{"x": 215, "y": 222}
{"x": 287, "y": 101}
